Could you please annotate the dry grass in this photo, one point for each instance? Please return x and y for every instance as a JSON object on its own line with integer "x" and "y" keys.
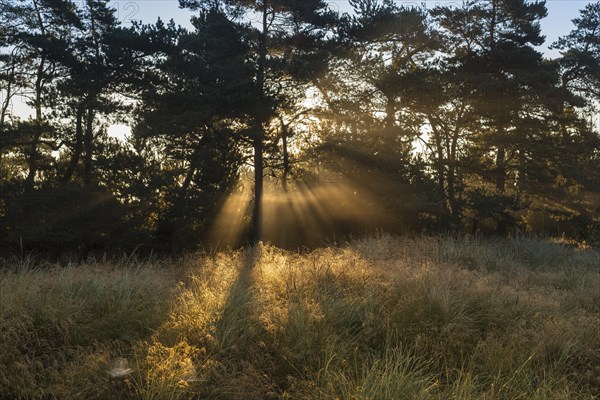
{"x": 380, "y": 318}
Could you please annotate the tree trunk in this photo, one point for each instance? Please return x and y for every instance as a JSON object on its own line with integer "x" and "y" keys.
{"x": 258, "y": 141}
{"x": 440, "y": 160}
{"x": 501, "y": 163}
{"x": 179, "y": 209}
{"x": 88, "y": 143}
{"x": 255, "y": 229}
{"x": 6, "y": 103}
{"x": 286, "y": 157}
{"x": 501, "y": 177}
{"x": 39, "y": 84}
{"x": 565, "y": 137}
{"x": 33, "y": 147}
{"x": 77, "y": 149}
{"x": 190, "y": 174}
{"x": 390, "y": 110}
{"x": 455, "y": 208}
{"x": 32, "y": 161}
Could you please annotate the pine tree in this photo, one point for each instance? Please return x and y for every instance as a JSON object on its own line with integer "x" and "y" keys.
{"x": 197, "y": 107}
{"x": 35, "y": 32}
{"x": 278, "y": 21}
{"x": 494, "y": 43}
{"x": 580, "y": 50}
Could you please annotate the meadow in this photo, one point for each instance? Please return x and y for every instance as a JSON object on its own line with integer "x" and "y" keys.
{"x": 382, "y": 317}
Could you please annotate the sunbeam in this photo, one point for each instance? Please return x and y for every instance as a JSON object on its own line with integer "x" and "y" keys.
{"x": 309, "y": 212}
{"x": 231, "y": 223}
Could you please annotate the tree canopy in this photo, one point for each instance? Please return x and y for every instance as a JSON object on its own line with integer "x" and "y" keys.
{"x": 286, "y": 121}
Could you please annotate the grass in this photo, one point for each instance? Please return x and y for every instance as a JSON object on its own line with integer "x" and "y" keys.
{"x": 379, "y": 318}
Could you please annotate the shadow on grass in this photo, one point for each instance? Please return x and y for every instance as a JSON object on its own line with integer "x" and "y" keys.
{"x": 234, "y": 327}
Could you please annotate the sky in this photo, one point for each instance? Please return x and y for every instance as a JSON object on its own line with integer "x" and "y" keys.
{"x": 557, "y": 23}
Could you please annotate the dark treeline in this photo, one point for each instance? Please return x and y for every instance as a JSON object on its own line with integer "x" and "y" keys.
{"x": 441, "y": 120}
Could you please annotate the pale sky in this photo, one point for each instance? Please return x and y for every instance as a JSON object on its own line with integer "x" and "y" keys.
{"x": 556, "y": 24}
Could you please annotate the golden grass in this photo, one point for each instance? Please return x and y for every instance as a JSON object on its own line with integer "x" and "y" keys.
{"x": 379, "y": 318}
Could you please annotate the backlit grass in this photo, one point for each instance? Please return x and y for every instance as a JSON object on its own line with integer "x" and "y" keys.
{"x": 379, "y": 318}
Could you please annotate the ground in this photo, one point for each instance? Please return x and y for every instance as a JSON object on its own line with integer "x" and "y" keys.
{"x": 377, "y": 318}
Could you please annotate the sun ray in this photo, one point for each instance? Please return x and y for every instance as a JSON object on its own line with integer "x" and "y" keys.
{"x": 231, "y": 223}
{"x": 309, "y": 212}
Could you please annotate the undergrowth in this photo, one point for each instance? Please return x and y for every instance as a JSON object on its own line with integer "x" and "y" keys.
{"x": 378, "y": 318}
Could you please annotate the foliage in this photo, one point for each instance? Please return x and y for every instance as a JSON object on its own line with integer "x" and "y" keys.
{"x": 447, "y": 119}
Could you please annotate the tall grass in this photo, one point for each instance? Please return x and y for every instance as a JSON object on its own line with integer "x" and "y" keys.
{"x": 378, "y": 318}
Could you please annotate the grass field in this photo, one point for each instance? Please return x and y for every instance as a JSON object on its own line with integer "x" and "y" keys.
{"x": 378, "y": 318}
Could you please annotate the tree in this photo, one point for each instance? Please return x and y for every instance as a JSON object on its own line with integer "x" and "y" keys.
{"x": 69, "y": 61}
{"x": 279, "y": 21}
{"x": 35, "y": 34}
{"x": 494, "y": 45}
{"x": 198, "y": 107}
{"x": 378, "y": 77}
{"x": 575, "y": 99}
{"x": 99, "y": 66}
{"x": 580, "y": 50}
{"x": 451, "y": 121}
{"x": 372, "y": 101}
